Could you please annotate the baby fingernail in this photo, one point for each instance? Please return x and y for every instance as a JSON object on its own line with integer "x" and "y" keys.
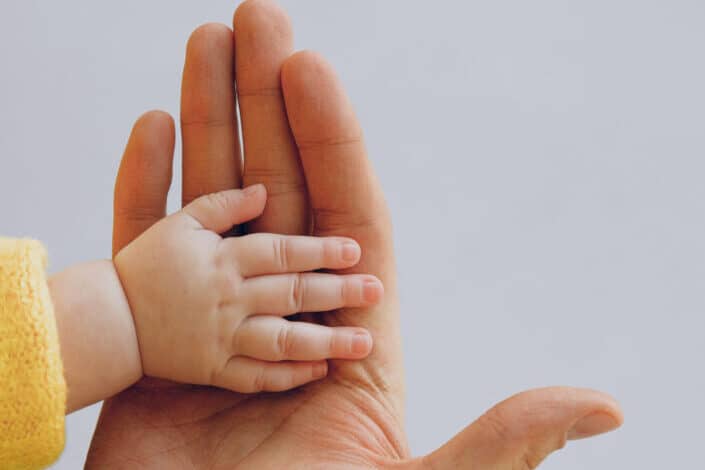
{"x": 360, "y": 343}
{"x": 350, "y": 252}
{"x": 371, "y": 291}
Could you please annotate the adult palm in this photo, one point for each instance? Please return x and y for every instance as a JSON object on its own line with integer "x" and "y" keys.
{"x": 302, "y": 140}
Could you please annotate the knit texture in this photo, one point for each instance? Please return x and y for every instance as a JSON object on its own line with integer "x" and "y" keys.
{"x": 33, "y": 391}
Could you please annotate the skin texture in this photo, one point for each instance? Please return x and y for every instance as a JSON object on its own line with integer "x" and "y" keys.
{"x": 182, "y": 303}
{"x": 95, "y": 326}
{"x": 319, "y": 180}
{"x": 208, "y": 310}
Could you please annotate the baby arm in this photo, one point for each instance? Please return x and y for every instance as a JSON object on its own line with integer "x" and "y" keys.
{"x": 208, "y": 310}
{"x": 97, "y": 336}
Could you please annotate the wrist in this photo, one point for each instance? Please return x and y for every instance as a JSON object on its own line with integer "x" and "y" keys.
{"x": 97, "y": 334}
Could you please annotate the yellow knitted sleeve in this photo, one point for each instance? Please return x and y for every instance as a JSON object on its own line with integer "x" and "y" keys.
{"x": 32, "y": 387}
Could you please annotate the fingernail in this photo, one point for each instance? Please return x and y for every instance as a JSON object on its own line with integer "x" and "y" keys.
{"x": 361, "y": 343}
{"x": 371, "y": 291}
{"x": 252, "y": 190}
{"x": 590, "y": 425}
{"x": 320, "y": 370}
{"x": 350, "y": 252}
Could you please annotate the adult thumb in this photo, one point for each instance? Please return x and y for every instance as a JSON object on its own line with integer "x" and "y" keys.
{"x": 522, "y": 431}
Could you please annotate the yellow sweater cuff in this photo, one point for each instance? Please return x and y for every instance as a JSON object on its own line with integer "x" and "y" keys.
{"x": 33, "y": 391}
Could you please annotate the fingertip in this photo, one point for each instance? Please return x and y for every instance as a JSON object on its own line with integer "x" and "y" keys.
{"x": 604, "y": 416}
{"x": 372, "y": 290}
{"x": 594, "y": 424}
{"x": 253, "y": 16}
{"x": 302, "y": 64}
{"x": 310, "y": 82}
{"x": 209, "y": 36}
{"x": 152, "y": 136}
{"x": 144, "y": 177}
{"x": 350, "y": 252}
{"x": 254, "y": 190}
{"x": 155, "y": 118}
{"x": 361, "y": 344}
{"x": 257, "y": 195}
{"x": 206, "y": 86}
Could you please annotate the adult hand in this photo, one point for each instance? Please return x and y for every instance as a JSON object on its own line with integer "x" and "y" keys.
{"x": 302, "y": 140}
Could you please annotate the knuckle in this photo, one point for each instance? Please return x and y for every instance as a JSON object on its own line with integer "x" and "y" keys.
{"x": 330, "y": 221}
{"x": 497, "y": 426}
{"x": 280, "y": 246}
{"x": 139, "y": 214}
{"x": 226, "y": 278}
{"x": 342, "y": 291}
{"x": 332, "y": 341}
{"x": 527, "y": 461}
{"x": 353, "y": 140}
{"x": 527, "y": 443}
{"x": 296, "y": 293}
{"x": 537, "y": 448}
{"x": 218, "y": 201}
{"x": 284, "y": 342}
{"x": 279, "y": 182}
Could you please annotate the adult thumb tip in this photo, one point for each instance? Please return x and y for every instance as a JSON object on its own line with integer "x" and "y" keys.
{"x": 594, "y": 424}
{"x": 529, "y": 426}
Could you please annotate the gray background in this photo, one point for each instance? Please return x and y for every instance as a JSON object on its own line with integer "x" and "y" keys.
{"x": 543, "y": 161}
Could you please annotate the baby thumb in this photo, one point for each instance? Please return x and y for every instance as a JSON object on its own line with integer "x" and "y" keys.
{"x": 219, "y": 211}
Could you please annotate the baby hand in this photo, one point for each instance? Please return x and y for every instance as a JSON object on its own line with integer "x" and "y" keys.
{"x": 209, "y": 310}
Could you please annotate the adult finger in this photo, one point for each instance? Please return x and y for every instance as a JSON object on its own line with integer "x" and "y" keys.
{"x": 263, "y": 40}
{"x": 523, "y": 430}
{"x": 211, "y": 149}
{"x": 272, "y": 338}
{"x": 144, "y": 177}
{"x": 346, "y": 200}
